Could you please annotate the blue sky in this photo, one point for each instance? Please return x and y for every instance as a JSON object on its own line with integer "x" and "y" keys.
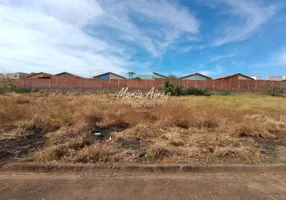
{"x": 88, "y": 37}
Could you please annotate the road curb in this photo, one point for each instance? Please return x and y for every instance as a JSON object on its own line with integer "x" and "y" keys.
{"x": 45, "y": 168}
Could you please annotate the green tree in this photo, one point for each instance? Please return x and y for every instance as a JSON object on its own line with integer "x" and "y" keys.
{"x": 171, "y": 76}
{"x": 174, "y": 87}
{"x": 131, "y": 74}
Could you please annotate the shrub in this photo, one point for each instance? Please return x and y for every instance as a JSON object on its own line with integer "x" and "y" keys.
{"x": 158, "y": 153}
{"x": 222, "y": 92}
{"x": 273, "y": 91}
{"x": 197, "y": 91}
{"x": 3, "y": 90}
{"x": 174, "y": 88}
{"x": 19, "y": 90}
{"x": 10, "y": 86}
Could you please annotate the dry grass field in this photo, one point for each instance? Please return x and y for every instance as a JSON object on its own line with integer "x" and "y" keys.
{"x": 60, "y": 128}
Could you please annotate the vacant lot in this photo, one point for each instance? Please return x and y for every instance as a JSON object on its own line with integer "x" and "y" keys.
{"x": 64, "y": 128}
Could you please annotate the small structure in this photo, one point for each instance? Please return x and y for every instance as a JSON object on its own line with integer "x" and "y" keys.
{"x": 256, "y": 77}
{"x": 40, "y": 75}
{"x": 109, "y": 75}
{"x": 276, "y": 78}
{"x": 67, "y": 74}
{"x": 17, "y": 75}
{"x": 150, "y": 76}
{"x": 196, "y": 76}
{"x": 238, "y": 76}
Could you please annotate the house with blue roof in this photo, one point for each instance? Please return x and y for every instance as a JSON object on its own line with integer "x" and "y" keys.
{"x": 109, "y": 75}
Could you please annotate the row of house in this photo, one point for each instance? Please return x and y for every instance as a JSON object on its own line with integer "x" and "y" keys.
{"x": 110, "y": 75}
{"x": 40, "y": 75}
{"x": 194, "y": 76}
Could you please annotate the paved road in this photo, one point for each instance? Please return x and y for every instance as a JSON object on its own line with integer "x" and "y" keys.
{"x": 142, "y": 186}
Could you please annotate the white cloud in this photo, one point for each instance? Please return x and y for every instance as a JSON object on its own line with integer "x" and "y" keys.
{"x": 166, "y": 22}
{"x": 237, "y": 63}
{"x": 222, "y": 56}
{"x": 252, "y": 13}
{"x": 279, "y": 58}
{"x": 214, "y": 72}
{"x": 52, "y": 35}
{"x": 47, "y": 36}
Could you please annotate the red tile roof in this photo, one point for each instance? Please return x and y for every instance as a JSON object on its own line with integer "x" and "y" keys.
{"x": 36, "y": 74}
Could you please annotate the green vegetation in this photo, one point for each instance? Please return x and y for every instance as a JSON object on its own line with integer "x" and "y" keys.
{"x": 173, "y": 87}
{"x": 222, "y": 93}
{"x": 273, "y": 91}
{"x": 10, "y": 87}
{"x": 171, "y": 76}
{"x": 196, "y": 91}
{"x": 131, "y": 74}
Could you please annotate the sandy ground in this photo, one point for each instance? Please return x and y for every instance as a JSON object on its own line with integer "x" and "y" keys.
{"x": 142, "y": 186}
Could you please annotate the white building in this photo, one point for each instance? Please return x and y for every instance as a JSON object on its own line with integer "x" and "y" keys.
{"x": 17, "y": 75}
{"x": 276, "y": 78}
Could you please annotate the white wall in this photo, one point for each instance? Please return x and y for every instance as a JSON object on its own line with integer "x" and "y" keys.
{"x": 275, "y": 78}
{"x": 112, "y": 76}
{"x": 189, "y": 78}
{"x": 195, "y": 77}
{"x": 242, "y": 78}
{"x": 256, "y": 77}
{"x": 13, "y": 76}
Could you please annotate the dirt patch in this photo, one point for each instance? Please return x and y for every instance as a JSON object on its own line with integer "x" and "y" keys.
{"x": 270, "y": 148}
{"x": 129, "y": 143}
{"x": 18, "y": 147}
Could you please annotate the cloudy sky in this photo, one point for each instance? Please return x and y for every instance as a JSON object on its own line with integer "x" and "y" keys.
{"x": 87, "y": 37}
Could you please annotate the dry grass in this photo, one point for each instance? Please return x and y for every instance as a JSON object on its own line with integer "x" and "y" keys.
{"x": 246, "y": 128}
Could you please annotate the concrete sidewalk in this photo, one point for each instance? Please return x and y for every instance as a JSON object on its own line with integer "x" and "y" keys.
{"x": 142, "y": 186}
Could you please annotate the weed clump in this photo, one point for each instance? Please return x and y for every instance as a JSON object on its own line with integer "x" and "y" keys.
{"x": 196, "y": 91}
{"x": 273, "y": 91}
{"x": 173, "y": 88}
